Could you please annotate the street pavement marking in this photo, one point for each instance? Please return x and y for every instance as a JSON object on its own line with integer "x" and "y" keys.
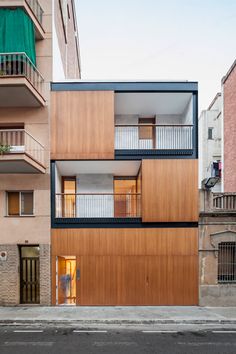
{"x": 25, "y": 344}
{"x": 112, "y": 344}
{"x": 84, "y": 331}
{"x": 27, "y": 331}
{"x": 160, "y": 331}
{"x": 224, "y": 331}
{"x": 194, "y": 344}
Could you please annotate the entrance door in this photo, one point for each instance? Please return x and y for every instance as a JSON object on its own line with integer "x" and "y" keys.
{"x": 29, "y": 275}
{"x": 66, "y": 280}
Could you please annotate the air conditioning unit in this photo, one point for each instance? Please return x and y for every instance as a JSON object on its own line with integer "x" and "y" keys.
{"x": 3, "y": 255}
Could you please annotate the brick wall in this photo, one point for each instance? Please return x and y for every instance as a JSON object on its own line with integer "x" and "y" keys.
{"x": 45, "y": 275}
{"x": 229, "y": 88}
{"x": 9, "y": 276}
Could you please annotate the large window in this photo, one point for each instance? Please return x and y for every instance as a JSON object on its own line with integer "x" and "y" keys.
{"x": 20, "y": 203}
{"x": 227, "y": 262}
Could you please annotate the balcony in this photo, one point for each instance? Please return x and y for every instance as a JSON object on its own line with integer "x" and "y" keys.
{"x": 153, "y": 137}
{"x": 19, "y": 78}
{"x": 154, "y": 123}
{"x": 96, "y": 192}
{"x": 20, "y": 152}
{"x": 33, "y": 9}
{"x": 224, "y": 201}
{"x": 94, "y": 205}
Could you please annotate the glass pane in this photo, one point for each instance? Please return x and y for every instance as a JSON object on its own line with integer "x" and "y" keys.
{"x": 66, "y": 280}
{"x": 13, "y": 203}
{"x": 26, "y": 203}
{"x": 31, "y": 251}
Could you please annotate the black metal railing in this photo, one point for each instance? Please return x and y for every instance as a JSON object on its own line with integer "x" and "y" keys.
{"x": 20, "y": 65}
{"x": 227, "y": 262}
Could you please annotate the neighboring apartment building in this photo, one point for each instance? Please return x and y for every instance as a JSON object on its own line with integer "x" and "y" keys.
{"x": 124, "y": 194}
{"x": 217, "y": 231}
{"x": 229, "y": 128}
{"x": 210, "y": 137}
{"x": 35, "y": 38}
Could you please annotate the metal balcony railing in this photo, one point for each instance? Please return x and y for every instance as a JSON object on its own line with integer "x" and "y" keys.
{"x": 20, "y": 65}
{"x": 224, "y": 201}
{"x": 153, "y": 136}
{"x": 19, "y": 141}
{"x": 93, "y": 205}
{"x": 37, "y": 9}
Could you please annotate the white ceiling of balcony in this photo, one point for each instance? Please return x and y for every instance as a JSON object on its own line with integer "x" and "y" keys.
{"x": 151, "y": 103}
{"x": 116, "y": 168}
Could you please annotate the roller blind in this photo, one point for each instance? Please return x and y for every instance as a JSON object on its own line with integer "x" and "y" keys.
{"x": 17, "y": 33}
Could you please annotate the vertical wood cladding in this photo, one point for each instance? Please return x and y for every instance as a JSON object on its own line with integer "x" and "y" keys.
{"x": 169, "y": 190}
{"x": 82, "y": 125}
{"x": 132, "y": 266}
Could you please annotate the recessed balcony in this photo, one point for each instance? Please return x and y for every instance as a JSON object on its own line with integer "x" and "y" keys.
{"x": 21, "y": 83}
{"x": 20, "y": 152}
{"x": 154, "y": 123}
{"x": 97, "y": 191}
{"x": 33, "y": 9}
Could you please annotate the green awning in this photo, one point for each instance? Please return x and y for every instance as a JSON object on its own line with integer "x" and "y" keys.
{"x": 17, "y": 33}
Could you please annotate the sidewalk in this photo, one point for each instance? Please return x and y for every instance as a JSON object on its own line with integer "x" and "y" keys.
{"x": 118, "y": 315}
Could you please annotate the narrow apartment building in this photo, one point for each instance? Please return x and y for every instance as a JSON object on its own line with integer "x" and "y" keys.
{"x": 124, "y": 193}
{"x": 217, "y": 229}
{"x": 210, "y": 143}
{"x": 37, "y": 38}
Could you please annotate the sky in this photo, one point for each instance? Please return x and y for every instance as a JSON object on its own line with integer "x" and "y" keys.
{"x": 190, "y": 40}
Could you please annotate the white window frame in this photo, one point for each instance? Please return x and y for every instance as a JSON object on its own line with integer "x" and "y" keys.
{"x": 20, "y": 214}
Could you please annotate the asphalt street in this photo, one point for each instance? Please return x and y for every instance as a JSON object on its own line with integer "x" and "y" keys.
{"x": 20, "y": 340}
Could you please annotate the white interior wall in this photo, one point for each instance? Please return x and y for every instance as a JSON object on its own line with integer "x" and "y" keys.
{"x": 187, "y": 117}
{"x": 58, "y": 180}
{"x": 94, "y": 205}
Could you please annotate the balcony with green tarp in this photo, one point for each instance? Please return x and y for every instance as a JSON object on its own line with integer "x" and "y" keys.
{"x": 19, "y": 76}
{"x": 33, "y": 9}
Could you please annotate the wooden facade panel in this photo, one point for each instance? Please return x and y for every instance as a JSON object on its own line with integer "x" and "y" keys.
{"x": 170, "y": 190}
{"x": 82, "y": 125}
{"x": 137, "y": 280}
{"x": 131, "y": 266}
{"x": 111, "y": 242}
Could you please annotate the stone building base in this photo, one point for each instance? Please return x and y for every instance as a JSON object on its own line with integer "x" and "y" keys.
{"x": 217, "y": 295}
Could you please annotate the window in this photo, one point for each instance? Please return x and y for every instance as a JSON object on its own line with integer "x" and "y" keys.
{"x": 68, "y": 197}
{"x": 216, "y": 169}
{"x": 20, "y": 203}
{"x": 125, "y": 198}
{"x": 64, "y": 14}
{"x": 210, "y": 133}
{"x": 148, "y": 131}
{"x": 227, "y": 262}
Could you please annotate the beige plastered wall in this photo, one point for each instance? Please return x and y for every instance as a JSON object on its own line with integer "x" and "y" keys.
{"x": 34, "y": 229}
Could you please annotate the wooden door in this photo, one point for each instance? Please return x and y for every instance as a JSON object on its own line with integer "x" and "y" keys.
{"x": 125, "y": 197}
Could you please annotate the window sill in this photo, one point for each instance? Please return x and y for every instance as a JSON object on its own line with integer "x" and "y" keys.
{"x": 19, "y": 216}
